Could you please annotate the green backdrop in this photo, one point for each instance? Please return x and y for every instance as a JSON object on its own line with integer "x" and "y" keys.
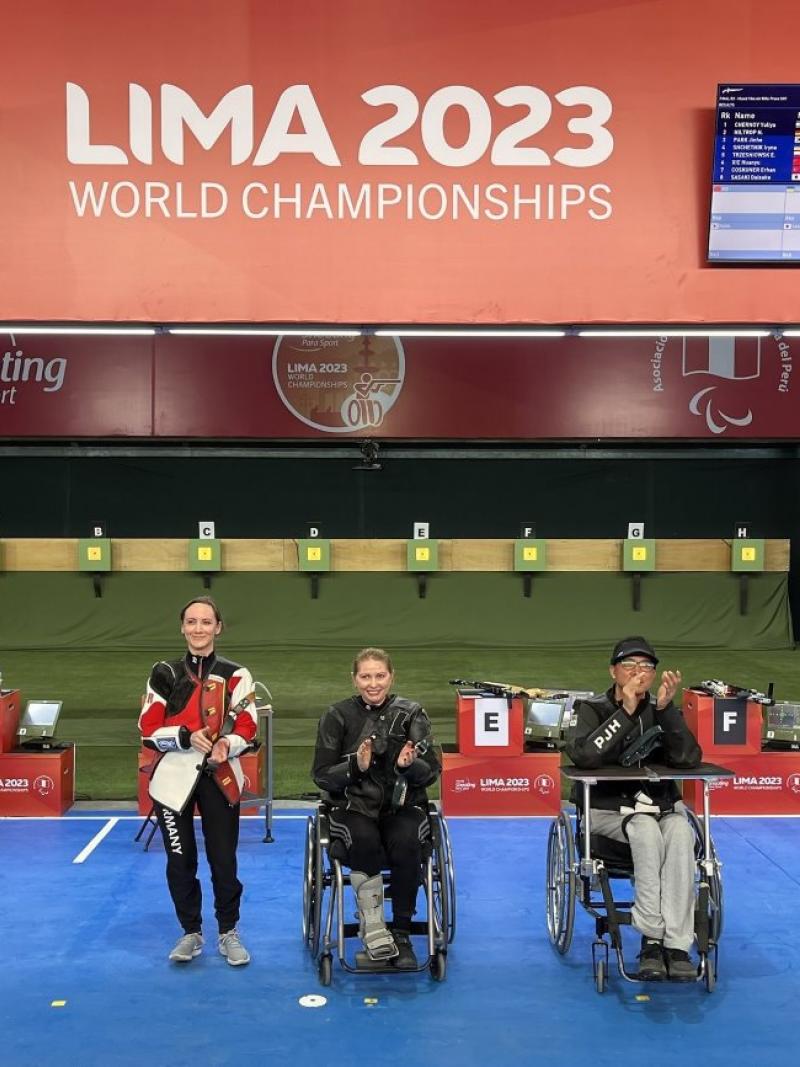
{"x": 58, "y": 640}
{"x": 140, "y": 611}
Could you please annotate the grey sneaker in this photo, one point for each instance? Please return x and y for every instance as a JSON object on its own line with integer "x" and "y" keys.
{"x": 232, "y": 948}
{"x": 651, "y": 961}
{"x": 680, "y": 968}
{"x": 189, "y": 946}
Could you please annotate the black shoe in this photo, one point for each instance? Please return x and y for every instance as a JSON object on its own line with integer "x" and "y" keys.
{"x": 679, "y": 966}
{"x": 405, "y": 960}
{"x": 651, "y": 961}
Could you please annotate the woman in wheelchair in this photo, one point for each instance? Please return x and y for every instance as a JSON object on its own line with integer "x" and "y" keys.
{"x": 374, "y": 758}
{"x": 648, "y": 815}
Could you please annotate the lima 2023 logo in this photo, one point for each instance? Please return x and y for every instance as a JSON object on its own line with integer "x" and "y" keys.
{"x": 339, "y": 384}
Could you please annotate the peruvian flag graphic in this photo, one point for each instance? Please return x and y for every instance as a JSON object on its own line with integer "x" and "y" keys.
{"x": 734, "y": 358}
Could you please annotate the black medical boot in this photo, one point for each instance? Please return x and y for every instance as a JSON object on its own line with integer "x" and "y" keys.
{"x": 405, "y": 960}
{"x": 651, "y": 961}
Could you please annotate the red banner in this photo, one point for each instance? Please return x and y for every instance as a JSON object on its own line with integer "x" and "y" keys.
{"x": 501, "y": 785}
{"x": 765, "y": 784}
{"x": 571, "y": 388}
{"x": 363, "y": 163}
{"x": 76, "y": 386}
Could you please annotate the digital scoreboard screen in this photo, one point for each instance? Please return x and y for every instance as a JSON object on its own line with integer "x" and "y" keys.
{"x": 755, "y": 197}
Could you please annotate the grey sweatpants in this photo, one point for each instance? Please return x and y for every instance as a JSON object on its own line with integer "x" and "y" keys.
{"x": 664, "y": 872}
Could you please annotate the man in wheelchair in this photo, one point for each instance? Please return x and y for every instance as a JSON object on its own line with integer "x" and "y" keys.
{"x": 627, "y": 726}
{"x": 374, "y": 758}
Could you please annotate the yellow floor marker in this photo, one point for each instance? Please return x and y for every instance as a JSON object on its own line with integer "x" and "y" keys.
{"x": 58, "y": 1003}
{"x": 641, "y": 997}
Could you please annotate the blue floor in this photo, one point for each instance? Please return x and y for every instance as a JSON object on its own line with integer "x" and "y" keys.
{"x": 96, "y": 935}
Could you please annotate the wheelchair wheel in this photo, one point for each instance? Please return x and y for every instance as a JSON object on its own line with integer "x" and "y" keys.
{"x": 600, "y": 976}
{"x": 444, "y": 878}
{"x": 710, "y": 973}
{"x": 438, "y": 966}
{"x": 560, "y": 887}
{"x": 325, "y": 969}
{"x": 712, "y": 879}
{"x": 715, "y": 894}
{"x": 312, "y": 888}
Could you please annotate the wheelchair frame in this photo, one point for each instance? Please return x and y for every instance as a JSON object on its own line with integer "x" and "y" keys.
{"x": 587, "y": 877}
{"x": 322, "y": 873}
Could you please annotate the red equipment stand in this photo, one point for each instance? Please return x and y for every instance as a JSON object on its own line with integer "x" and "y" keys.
{"x": 723, "y": 727}
{"x": 9, "y": 718}
{"x": 729, "y": 732}
{"x": 252, "y": 767}
{"x": 37, "y": 782}
{"x": 491, "y": 774}
{"x": 486, "y": 725}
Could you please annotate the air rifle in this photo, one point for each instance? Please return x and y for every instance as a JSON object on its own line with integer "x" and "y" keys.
{"x": 509, "y": 691}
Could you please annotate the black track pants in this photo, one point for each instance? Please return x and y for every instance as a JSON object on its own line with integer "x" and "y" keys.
{"x": 394, "y": 840}
{"x": 221, "y": 834}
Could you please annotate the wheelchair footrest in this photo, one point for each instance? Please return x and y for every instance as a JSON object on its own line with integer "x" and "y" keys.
{"x": 364, "y": 963}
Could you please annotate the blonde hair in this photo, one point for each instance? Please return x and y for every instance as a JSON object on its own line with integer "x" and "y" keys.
{"x": 372, "y": 653}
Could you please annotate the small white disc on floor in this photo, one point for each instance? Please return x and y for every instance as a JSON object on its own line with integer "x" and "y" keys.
{"x": 313, "y": 1000}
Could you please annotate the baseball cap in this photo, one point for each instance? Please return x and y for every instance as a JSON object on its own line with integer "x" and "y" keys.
{"x": 633, "y": 646}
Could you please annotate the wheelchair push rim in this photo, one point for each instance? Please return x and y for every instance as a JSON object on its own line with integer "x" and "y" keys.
{"x": 444, "y": 885}
{"x": 560, "y": 883}
{"x": 312, "y": 889}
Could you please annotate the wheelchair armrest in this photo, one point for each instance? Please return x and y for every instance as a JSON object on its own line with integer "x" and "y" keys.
{"x": 435, "y": 822}
{"x": 323, "y": 824}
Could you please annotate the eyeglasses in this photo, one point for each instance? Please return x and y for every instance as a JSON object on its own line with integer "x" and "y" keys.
{"x": 635, "y": 665}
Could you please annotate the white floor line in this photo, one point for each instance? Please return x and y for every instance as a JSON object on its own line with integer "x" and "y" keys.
{"x": 117, "y": 818}
{"x": 98, "y": 837}
{"x": 279, "y": 818}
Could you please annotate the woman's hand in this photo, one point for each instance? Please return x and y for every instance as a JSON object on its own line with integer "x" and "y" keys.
{"x": 670, "y": 680}
{"x": 201, "y": 740}
{"x": 364, "y": 754}
{"x": 220, "y": 751}
{"x": 408, "y": 753}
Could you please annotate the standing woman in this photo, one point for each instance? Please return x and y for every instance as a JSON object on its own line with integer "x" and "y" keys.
{"x": 199, "y": 715}
{"x": 374, "y": 757}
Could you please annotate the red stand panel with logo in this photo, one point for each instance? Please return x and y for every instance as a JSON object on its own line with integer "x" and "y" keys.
{"x": 501, "y": 785}
{"x": 37, "y": 783}
{"x": 487, "y": 726}
{"x": 252, "y": 768}
{"x": 765, "y": 784}
{"x": 10, "y": 704}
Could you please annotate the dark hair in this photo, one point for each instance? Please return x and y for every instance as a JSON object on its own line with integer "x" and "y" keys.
{"x": 372, "y": 653}
{"x": 202, "y": 600}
